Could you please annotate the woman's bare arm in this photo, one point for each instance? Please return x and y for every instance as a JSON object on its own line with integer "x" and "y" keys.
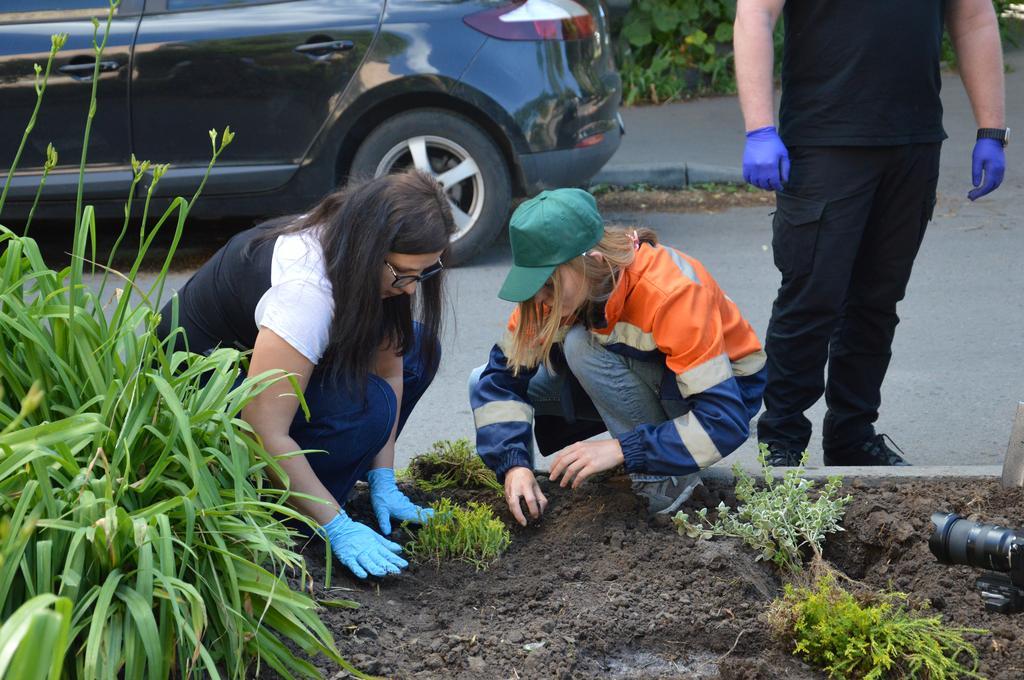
{"x": 270, "y": 414}
{"x": 389, "y": 366}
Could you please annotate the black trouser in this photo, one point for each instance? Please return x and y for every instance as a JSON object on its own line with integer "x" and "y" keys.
{"x": 847, "y": 228}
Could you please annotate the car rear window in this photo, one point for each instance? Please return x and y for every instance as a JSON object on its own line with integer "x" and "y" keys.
{"x": 173, "y": 5}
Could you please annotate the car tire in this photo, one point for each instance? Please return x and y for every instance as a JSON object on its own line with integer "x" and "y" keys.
{"x": 440, "y": 142}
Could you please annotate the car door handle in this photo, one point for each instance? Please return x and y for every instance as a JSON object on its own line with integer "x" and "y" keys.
{"x": 319, "y": 50}
{"x": 84, "y": 71}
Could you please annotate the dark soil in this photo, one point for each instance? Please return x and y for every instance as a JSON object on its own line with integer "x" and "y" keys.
{"x": 712, "y": 199}
{"x": 597, "y": 590}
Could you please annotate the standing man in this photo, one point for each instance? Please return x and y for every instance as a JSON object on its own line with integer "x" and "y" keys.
{"x": 854, "y": 164}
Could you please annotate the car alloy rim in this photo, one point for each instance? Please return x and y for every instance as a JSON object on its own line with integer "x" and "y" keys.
{"x": 451, "y": 165}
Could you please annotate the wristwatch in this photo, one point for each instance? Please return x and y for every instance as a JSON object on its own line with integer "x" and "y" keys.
{"x": 1000, "y": 134}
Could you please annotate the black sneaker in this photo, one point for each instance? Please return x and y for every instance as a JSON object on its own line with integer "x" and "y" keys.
{"x": 874, "y": 451}
{"x": 778, "y": 456}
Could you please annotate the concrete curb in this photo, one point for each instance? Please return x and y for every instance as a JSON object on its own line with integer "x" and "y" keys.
{"x": 872, "y": 473}
{"x": 869, "y": 474}
{"x": 667, "y": 175}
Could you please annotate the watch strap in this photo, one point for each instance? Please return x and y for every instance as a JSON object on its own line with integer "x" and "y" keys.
{"x": 999, "y": 134}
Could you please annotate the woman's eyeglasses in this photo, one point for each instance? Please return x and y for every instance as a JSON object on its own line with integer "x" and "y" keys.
{"x": 403, "y": 280}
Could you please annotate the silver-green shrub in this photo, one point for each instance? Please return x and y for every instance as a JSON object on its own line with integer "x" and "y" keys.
{"x": 779, "y": 520}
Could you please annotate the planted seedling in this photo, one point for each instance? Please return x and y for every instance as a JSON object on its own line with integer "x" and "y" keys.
{"x": 452, "y": 465}
{"x": 780, "y": 520}
{"x": 871, "y": 636}
{"x": 469, "y": 533}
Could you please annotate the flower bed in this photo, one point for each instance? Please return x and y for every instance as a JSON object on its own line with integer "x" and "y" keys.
{"x": 597, "y": 590}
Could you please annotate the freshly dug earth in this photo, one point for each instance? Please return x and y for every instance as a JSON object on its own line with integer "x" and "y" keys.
{"x": 598, "y": 590}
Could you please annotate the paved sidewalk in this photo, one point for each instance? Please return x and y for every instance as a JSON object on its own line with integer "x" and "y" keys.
{"x": 702, "y": 140}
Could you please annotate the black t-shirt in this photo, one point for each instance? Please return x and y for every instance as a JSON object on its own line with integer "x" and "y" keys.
{"x": 861, "y": 72}
{"x": 217, "y": 305}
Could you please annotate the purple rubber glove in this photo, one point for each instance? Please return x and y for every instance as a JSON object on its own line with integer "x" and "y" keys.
{"x": 765, "y": 159}
{"x": 989, "y": 160}
{"x": 362, "y": 549}
{"x": 389, "y": 502}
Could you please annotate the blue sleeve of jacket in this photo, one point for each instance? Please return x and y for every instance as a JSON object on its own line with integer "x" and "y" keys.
{"x": 503, "y": 415}
{"x": 717, "y": 423}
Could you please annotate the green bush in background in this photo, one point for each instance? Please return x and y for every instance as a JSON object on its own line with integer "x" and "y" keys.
{"x": 674, "y": 49}
{"x": 671, "y": 49}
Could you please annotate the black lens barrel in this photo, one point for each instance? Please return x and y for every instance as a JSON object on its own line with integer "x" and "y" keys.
{"x": 960, "y": 541}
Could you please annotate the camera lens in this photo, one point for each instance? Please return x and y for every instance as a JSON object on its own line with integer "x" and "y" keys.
{"x": 960, "y": 541}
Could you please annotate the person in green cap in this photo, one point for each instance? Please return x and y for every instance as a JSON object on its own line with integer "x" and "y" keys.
{"x": 613, "y": 332}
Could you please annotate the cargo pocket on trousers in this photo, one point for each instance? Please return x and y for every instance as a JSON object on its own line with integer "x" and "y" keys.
{"x": 795, "y": 233}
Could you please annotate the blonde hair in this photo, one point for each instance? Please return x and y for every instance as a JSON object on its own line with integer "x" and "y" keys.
{"x": 540, "y": 326}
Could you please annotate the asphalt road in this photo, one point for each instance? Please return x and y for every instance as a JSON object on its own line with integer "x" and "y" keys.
{"x": 957, "y": 370}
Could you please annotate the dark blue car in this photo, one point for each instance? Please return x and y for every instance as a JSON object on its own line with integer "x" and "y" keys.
{"x": 495, "y": 98}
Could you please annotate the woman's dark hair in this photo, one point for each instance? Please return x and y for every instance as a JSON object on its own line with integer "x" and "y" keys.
{"x": 357, "y": 226}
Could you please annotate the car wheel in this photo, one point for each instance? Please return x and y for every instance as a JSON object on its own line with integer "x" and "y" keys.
{"x": 460, "y": 156}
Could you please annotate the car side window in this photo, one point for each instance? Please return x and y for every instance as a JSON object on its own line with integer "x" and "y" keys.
{"x": 25, "y": 6}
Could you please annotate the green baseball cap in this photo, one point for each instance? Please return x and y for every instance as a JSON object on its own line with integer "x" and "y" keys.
{"x": 549, "y": 229}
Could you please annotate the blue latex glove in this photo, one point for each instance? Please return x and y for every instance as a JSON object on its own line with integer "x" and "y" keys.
{"x": 765, "y": 159}
{"x": 989, "y": 160}
{"x": 389, "y": 502}
{"x": 362, "y": 549}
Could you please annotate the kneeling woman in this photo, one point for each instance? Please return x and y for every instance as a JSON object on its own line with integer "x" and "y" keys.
{"x": 613, "y": 332}
{"x": 328, "y": 297}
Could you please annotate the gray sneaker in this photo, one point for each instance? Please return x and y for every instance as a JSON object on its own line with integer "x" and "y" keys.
{"x": 665, "y": 494}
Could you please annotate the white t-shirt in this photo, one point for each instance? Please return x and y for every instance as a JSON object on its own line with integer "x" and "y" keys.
{"x": 299, "y": 305}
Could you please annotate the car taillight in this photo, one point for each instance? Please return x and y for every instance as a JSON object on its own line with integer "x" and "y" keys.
{"x": 592, "y": 140}
{"x": 535, "y": 20}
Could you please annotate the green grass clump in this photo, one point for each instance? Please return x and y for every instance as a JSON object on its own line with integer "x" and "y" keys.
{"x": 779, "y": 520}
{"x": 873, "y": 637}
{"x": 724, "y": 187}
{"x": 452, "y": 464}
{"x": 139, "y": 536}
{"x": 469, "y": 533}
{"x": 41, "y": 623}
